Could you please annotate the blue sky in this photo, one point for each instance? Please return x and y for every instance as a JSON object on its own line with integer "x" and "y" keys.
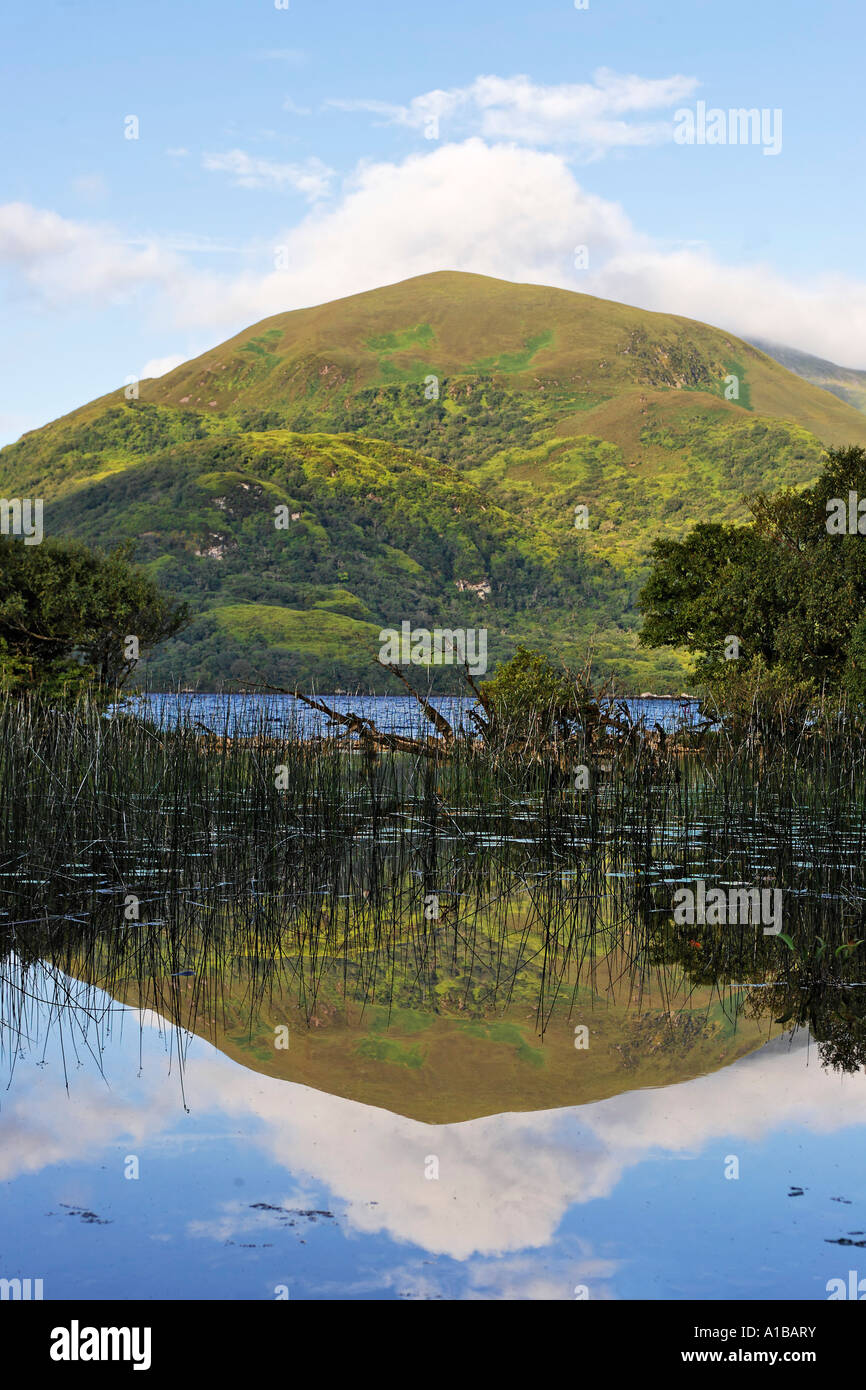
{"x": 288, "y": 156}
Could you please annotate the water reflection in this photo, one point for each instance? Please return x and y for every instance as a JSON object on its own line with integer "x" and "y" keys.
{"x": 264, "y": 1181}
{"x": 424, "y": 1028}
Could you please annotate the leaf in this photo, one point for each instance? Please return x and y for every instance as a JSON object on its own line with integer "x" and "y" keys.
{"x": 781, "y": 936}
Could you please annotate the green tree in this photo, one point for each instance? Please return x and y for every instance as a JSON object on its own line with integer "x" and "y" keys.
{"x": 789, "y": 588}
{"x": 530, "y": 697}
{"x": 66, "y": 613}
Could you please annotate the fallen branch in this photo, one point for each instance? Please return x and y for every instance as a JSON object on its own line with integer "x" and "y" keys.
{"x": 439, "y": 722}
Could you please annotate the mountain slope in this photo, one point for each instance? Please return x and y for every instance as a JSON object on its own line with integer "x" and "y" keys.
{"x": 432, "y": 441}
{"x": 374, "y": 535}
{"x": 543, "y": 341}
{"x": 847, "y": 383}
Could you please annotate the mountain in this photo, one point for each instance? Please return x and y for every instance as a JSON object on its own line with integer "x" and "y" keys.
{"x": 461, "y": 1057}
{"x": 847, "y": 383}
{"x": 430, "y": 443}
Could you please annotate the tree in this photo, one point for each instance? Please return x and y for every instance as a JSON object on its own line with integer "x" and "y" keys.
{"x": 531, "y": 697}
{"x": 66, "y": 614}
{"x": 787, "y": 586}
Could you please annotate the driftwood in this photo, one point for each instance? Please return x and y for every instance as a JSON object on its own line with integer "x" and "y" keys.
{"x": 608, "y": 728}
{"x": 370, "y": 738}
{"x": 438, "y": 720}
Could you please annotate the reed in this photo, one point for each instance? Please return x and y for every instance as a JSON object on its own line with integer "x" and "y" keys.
{"x": 189, "y": 864}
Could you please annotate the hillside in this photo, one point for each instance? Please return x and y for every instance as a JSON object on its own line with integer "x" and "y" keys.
{"x": 401, "y": 499}
{"x": 847, "y": 383}
{"x": 442, "y": 1067}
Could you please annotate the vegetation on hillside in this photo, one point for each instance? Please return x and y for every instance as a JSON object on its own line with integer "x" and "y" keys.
{"x": 378, "y": 534}
{"x": 451, "y": 505}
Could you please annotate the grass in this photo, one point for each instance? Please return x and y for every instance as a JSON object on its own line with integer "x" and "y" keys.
{"x": 304, "y": 904}
{"x": 521, "y": 329}
{"x": 318, "y": 631}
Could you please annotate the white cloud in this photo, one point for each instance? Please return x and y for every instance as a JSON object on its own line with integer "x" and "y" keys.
{"x": 591, "y": 116}
{"x": 312, "y": 178}
{"x": 495, "y": 209}
{"x": 507, "y": 211}
{"x": 826, "y": 317}
{"x": 62, "y": 260}
{"x": 158, "y": 366}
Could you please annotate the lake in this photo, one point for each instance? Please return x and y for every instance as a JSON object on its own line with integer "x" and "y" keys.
{"x": 421, "y": 1030}
{"x": 237, "y": 715}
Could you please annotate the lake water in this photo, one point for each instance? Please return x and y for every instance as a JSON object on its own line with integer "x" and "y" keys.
{"x": 293, "y": 1082}
{"x": 247, "y": 1183}
{"x": 240, "y": 714}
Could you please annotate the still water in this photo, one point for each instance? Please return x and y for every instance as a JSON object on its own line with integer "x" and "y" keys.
{"x": 249, "y": 1184}
{"x": 673, "y": 1131}
{"x": 237, "y": 715}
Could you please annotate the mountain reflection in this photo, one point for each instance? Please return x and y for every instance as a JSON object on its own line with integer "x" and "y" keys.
{"x": 443, "y": 1027}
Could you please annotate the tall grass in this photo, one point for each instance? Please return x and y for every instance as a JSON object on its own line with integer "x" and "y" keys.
{"x": 464, "y": 875}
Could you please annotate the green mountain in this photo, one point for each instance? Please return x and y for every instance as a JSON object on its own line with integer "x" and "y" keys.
{"x": 429, "y": 443}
